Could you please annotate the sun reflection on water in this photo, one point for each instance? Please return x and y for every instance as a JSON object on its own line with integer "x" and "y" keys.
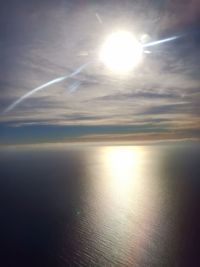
{"x": 123, "y": 166}
{"x": 125, "y": 193}
{"x": 122, "y": 160}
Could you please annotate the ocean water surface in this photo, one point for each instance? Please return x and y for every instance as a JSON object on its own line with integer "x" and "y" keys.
{"x": 120, "y": 206}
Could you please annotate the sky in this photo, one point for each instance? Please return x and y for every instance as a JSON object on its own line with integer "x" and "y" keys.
{"x": 43, "y": 40}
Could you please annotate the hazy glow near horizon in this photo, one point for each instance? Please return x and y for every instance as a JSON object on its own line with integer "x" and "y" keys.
{"x": 121, "y": 52}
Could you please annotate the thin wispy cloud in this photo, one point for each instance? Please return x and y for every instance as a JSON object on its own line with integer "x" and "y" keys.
{"x": 44, "y": 41}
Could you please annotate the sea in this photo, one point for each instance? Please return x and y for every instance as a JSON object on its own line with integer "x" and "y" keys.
{"x": 100, "y": 205}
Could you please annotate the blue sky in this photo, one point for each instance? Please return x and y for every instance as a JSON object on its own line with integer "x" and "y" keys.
{"x": 42, "y": 40}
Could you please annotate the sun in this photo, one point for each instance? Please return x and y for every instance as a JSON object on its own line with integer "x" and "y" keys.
{"x": 121, "y": 52}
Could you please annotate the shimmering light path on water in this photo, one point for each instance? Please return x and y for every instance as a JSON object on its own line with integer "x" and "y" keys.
{"x": 132, "y": 206}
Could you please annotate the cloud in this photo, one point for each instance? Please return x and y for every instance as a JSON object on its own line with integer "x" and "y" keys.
{"x": 44, "y": 40}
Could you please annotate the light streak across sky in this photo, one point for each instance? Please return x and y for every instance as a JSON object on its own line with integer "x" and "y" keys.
{"x": 45, "y": 85}
{"x": 75, "y": 86}
{"x": 99, "y": 18}
{"x": 161, "y": 41}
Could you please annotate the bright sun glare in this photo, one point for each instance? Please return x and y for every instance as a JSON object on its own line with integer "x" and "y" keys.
{"x": 121, "y": 52}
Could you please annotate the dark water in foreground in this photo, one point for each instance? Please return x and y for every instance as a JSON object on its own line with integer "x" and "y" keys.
{"x": 100, "y": 206}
